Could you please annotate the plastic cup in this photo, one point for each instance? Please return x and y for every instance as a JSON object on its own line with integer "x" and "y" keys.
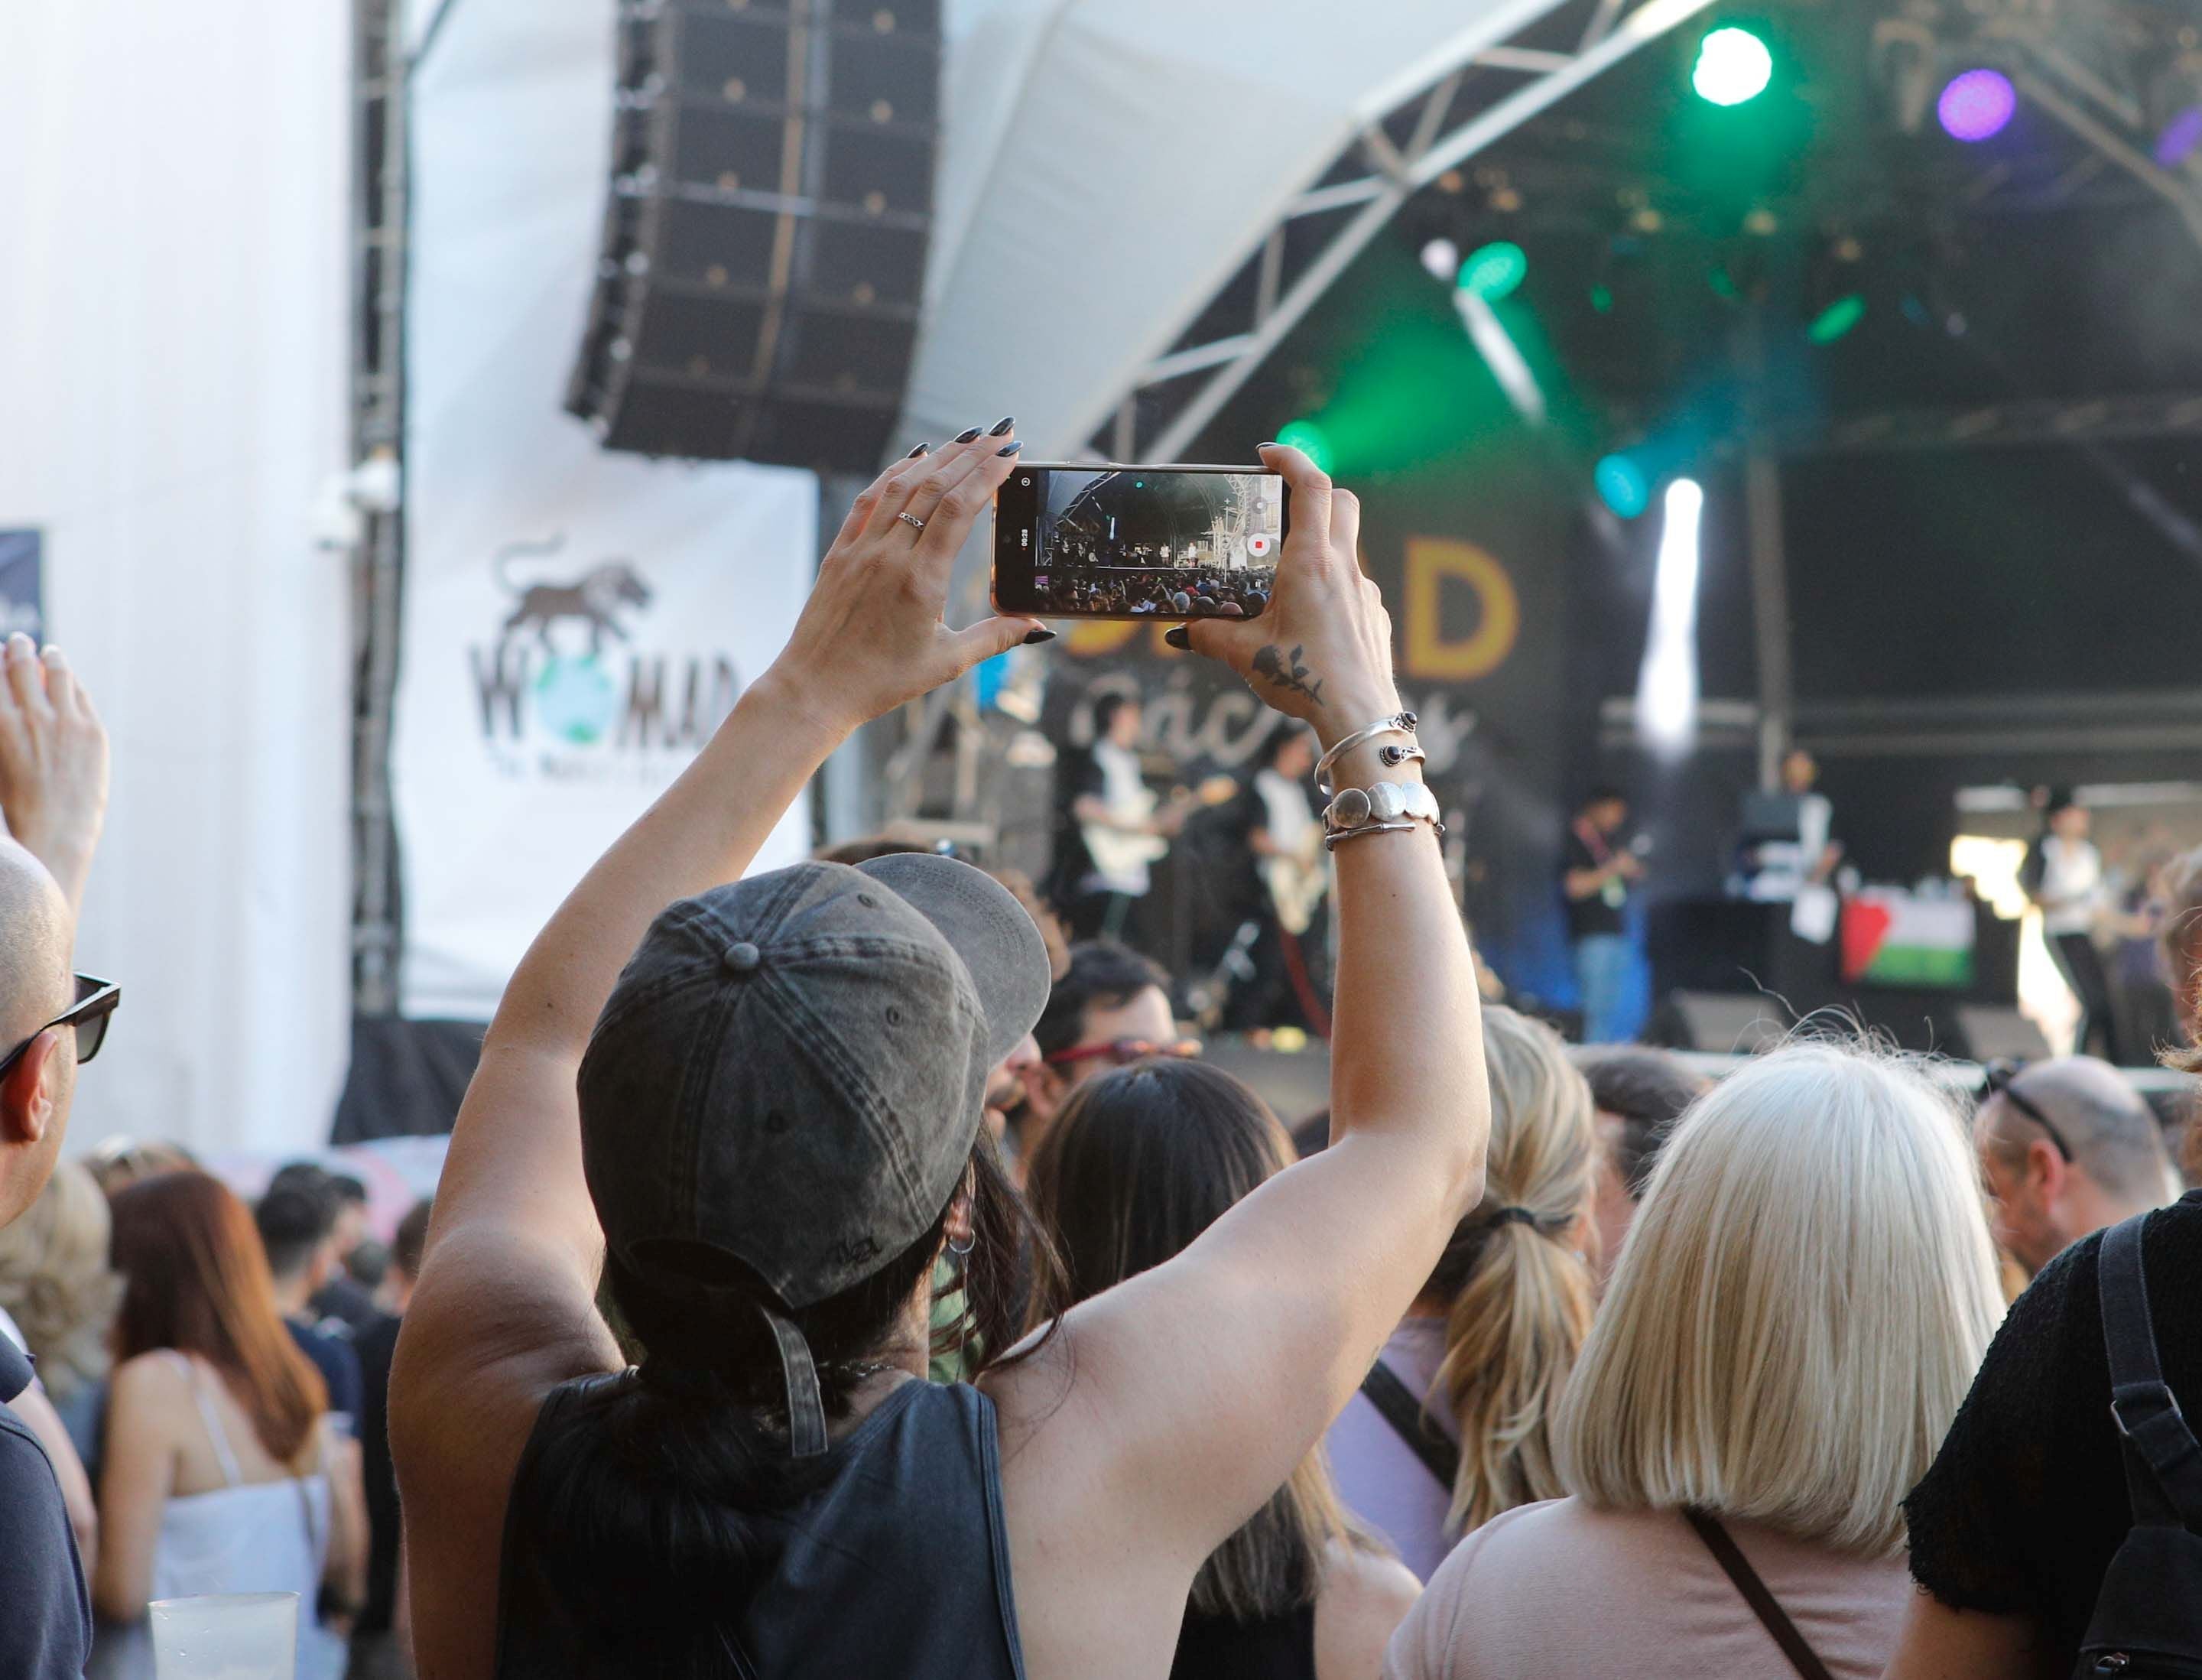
{"x": 226, "y": 1636}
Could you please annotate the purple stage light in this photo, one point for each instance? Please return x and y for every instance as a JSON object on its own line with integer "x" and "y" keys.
{"x": 2180, "y": 139}
{"x": 1977, "y": 105}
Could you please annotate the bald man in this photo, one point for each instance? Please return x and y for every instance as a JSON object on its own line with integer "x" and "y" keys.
{"x": 53, "y": 795}
{"x": 2069, "y": 1148}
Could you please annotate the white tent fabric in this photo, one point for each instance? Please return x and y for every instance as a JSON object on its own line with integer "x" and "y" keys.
{"x": 1107, "y": 165}
{"x": 172, "y": 329}
{"x": 511, "y": 140}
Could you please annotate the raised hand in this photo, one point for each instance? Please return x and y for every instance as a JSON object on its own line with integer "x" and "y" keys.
{"x": 1322, "y": 651}
{"x": 53, "y": 763}
{"x": 871, "y": 636}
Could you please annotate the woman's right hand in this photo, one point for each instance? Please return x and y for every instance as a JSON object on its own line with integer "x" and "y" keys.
{"x": 1322, "y": 651}
{"x": 871, "y": 636}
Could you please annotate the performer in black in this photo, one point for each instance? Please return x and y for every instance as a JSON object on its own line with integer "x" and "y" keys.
{"x": 1283, "y": 878}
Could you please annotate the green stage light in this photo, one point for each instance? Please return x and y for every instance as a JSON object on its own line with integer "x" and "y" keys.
{"x": 1494, "y": 270}
{"x": 1621, "y": 486}
{"x": 1306, "y": 436}
{"x": 1837, "y": 319}
{"x": 1734, "y": 65}
{"x": 1601, "y": 299}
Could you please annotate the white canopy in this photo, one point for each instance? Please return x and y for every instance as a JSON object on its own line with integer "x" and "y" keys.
{"x": 1109, "y": 164}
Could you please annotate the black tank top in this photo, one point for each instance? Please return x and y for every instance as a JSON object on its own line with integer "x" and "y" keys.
{"x": 898, "y": 1566}
{"x": 1217, "y": 1647}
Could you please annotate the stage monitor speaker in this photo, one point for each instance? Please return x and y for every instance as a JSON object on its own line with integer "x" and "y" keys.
{"x": 765, "y": 238}
{"x": 1727, "y": 1023}
{"x": 1991, "y": 1030}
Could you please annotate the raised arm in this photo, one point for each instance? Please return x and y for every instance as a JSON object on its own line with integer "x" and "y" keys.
{"x": 1171, "y": 1407}
{"x": 505, "y": 1310}
{"x": 53, "y": 763}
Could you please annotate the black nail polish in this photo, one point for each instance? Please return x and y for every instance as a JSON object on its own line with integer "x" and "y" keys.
{"x": 1011, "y": 449}
{"x": 1179, "y": 637}
{"x": 1000, "y": 427}
{"x": 1270, "y": 443}
{"x": 966, "y": 437}
{"x": 919, "y": 451}
{"x": 1038, "y": 637}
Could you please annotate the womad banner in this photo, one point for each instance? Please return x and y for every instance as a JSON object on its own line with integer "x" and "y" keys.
{"x": 576, "y": 623}
{"x": 1473, "y": 575}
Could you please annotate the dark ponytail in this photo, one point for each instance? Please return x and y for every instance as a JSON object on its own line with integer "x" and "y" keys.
{"x": 657, "y": 1501}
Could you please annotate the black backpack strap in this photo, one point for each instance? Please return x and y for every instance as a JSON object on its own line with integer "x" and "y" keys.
{"x": 2164, "y": 1462}
{"x": 1755, "y": 1594}
{"x": 1396, "y": 1403}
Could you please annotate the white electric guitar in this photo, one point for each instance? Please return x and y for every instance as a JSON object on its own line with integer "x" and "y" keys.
{"x": 1139, "y": 826}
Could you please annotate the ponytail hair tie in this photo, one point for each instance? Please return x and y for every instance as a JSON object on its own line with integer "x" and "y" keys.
{"x": 1511, "y": 1216}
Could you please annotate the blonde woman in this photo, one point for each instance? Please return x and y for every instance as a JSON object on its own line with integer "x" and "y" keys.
{"x": 1451, "y": 1428}
{"x": 57, "y": 1287}
{"x": 1803, "y": 1299}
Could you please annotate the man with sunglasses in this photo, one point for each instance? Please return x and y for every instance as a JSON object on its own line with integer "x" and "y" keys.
{"x": 53, "y": 795}
{"x": 1111, "y": 1006}
{"x": 2068, "y": 1147}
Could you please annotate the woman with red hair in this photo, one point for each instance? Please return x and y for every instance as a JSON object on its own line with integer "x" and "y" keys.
{"x": 222, "y": 1473}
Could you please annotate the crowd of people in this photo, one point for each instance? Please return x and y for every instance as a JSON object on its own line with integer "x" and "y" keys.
{"x": 1202, "y": 592}
{"x": 837, "y": 1271}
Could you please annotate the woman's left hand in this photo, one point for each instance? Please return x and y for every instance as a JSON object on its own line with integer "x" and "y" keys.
{"x": 871, "y": 637}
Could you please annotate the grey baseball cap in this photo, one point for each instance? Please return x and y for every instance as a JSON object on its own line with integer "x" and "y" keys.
{"x": 792, "y": 1068}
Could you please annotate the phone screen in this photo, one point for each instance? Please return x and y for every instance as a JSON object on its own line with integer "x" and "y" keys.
{"x": 1095, "y": 541}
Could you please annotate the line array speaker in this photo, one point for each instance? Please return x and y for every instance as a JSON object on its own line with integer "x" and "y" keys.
{"x": 766, "y": 232}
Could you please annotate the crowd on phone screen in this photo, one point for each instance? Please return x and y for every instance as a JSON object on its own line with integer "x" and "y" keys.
{"x": 1205, "y": 592}
{"x": 1662, "y": 1353}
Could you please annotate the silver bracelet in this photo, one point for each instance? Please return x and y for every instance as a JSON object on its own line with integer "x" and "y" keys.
{"x": 1399, "y": 723}
{"x": 1333, "y": 841}
{"x": 1389, "y": 807}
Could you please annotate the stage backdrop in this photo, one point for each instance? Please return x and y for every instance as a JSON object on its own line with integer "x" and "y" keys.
{"x": 575, "y": 623}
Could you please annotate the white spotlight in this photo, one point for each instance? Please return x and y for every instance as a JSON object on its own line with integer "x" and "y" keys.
{"x": 1667, "y": 689}
{"x": 1442, "y": 258}
{"x": 1503, "y": 357}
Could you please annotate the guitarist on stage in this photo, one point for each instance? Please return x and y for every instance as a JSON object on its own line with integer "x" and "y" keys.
{"x": 1111, "y": 831}
{"x": 1282, "y": 835}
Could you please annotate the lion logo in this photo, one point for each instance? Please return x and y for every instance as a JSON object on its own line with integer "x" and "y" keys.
{"x": 597, "y": 599}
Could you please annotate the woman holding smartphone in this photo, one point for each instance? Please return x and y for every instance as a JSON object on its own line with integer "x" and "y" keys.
{"x": 761, "y": 1131}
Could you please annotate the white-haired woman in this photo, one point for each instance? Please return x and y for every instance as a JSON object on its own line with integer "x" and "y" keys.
{"x": 1800, "y": 1305}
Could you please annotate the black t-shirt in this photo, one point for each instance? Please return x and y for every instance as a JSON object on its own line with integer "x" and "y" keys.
{"x": 45, "y": 1616}
{"x": 333, "y": 1356}
{"x": 1592, "y": 915}
{"x": 376, "y": 1347}
{"x": 2026, "y": 1503}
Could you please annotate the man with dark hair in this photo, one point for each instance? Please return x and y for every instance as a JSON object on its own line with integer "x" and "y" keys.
{"x": 1110, "y": 830}
{"x": 2068, "y": 1147}
{"x": 1112, "y": 1006}
{"x": 298, "y": 1227}
{"x": 53, "y": 793}
{"x": 1596, "y": 870}
{"x": 1639, "y": 1095}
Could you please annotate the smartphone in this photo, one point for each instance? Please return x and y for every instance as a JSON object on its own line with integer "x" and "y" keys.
{"x": 1089, "y": 539}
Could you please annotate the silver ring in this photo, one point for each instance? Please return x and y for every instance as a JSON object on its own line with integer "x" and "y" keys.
{"x": 912, "y": 521}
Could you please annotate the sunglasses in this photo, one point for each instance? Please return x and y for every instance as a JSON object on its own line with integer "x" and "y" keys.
{"x": 1124, "y": 1051}
{"x": 94, "y": 1004}
{"x": 1998, "y": 1079}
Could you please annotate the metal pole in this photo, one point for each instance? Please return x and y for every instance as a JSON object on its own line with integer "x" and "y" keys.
{"x": 378, "y": 427}
{"x": 1769, "y": 612}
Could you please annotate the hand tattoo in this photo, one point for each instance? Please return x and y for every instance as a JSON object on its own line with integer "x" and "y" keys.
{"x": 1272, "y": 664}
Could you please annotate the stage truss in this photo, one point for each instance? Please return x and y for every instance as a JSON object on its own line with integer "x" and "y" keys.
{"x": 1317, "y": 234}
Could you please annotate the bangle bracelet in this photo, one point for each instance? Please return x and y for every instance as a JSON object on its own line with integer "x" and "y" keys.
{"x": 1331, "y": 842}
{"x": 1388, "y": 808}
{"x": 1399, "y": 723}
